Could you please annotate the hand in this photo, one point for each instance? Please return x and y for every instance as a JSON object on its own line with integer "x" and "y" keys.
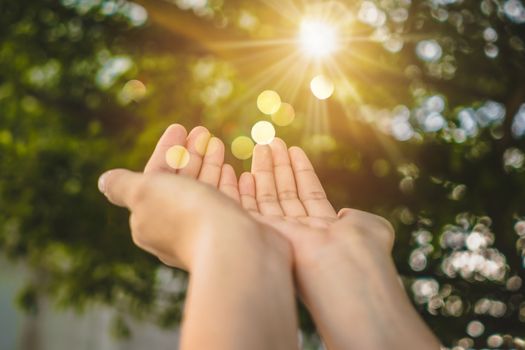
{"x": 240, "y": 270}
{"x": 176, "y": 218}
{"x": 206, "y": 164}
{"x": 206, "y": 158}
{"x": 342, "y": 263}
{"x": 283, "y": 191}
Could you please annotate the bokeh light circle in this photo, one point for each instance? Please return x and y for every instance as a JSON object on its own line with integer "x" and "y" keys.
{"x": 134, "y": 90}
{"x": 475, "y": 329}
{"x": 429, "y": 50}
{"x": 285, "y": 115}
{"x": 201, "y": 143}
{"x": 242, "y": 147}
{"x": 322, "y": 87}
{"x": 177, "y": 157}
{"x": 263, "y": 133}
{"x": 268, "y": 102}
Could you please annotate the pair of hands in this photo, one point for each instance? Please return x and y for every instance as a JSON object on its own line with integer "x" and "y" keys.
{"x": 341, "y": 262}
{"x": 282, "y": 192}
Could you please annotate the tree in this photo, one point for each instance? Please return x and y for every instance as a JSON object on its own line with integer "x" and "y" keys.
{"x": 425, "y": 127}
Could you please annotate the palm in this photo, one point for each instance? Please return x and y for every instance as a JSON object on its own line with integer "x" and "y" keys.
{"x": 284, "y": 192}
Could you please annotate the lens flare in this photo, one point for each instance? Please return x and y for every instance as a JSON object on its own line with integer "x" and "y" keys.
{"x": 322, "y": 87}
{"x": 242, "y": 147}
{"x": 201, "y": 142}
{"x": 177, "y": 157}
{"x": 268, "y": 102}
{"x": 318, "y": 38}
{"x": 263, "y": 133}
{"x": 133, "y": 90}
{"x": 284, "y": 116}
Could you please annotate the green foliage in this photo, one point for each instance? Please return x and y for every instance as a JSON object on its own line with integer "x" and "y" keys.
{"x": 63, "y": 120}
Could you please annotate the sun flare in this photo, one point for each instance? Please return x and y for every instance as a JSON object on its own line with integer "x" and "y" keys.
{"x": 318, "y": 38}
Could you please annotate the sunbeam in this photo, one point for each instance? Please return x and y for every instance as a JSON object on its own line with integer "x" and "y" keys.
{"x": 318, "y": 57}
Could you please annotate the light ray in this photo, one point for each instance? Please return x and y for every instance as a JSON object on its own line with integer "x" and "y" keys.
{"x": 335, "y": 69}
{"x": 257, "y": 83}
{"x": 250, "y": 44}
{"x": 388, "y": 145}
{"x": 285, "y": 8}
{"x": 332, "y": 47}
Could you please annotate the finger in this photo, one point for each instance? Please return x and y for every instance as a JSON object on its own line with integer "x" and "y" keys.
{"x": 120, "y": 186}
{"x": 210, "y": 172}
{"x": 175, "y": 134}
{"x": 311, "y": 192}
{"x": 228, "y": 183}
{"x": 262, "y": 170}
{"x": 247, "y": 192}
{"x": 196, "y": 143}
{"x": 284, "y": 180}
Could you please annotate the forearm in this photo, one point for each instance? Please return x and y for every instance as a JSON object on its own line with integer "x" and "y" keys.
{"x": 242, "y": 300}
{"x": 362, "y": 291}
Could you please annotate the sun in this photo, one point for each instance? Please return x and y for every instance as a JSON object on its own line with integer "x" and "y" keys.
{"x": 318, "y": 38}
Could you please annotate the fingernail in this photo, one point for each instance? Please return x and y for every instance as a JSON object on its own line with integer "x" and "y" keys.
{"x": 102, "y": 183}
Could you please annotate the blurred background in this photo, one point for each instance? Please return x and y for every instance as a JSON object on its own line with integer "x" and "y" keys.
{"x": 412, "y": 109}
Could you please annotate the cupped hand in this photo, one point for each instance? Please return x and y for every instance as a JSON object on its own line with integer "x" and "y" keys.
{"x": 177, "y": 218}
{"x": 239, "y": 268}
{"x": 283, "y": 191}
{"x": 343, "y": 268}
{"x": 173, "y": 215}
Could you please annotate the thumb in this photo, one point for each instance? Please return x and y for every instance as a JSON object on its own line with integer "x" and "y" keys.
{"x": 119, "y": 186}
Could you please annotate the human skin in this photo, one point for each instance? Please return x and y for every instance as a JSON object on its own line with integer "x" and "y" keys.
{"x": 342, "y": 264}
{"x": 241, "y": 293}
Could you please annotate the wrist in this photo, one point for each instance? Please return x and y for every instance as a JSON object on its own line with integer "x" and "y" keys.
{"x": 341, "y": 250}
{"x": 345, "y": 266}
{"x": 360, "y": 287}
{"x": 247, "y": 243}
{"x": 249, "y": 278}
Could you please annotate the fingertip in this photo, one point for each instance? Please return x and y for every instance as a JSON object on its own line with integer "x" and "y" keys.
{"x": 295, "y": 150}
{"x": 280, "y": 152}
{"x": 228, "y": 174}
{"x": 228, "y": 168}
{"x": 299, "y": 158}
{"x": 278, "y": 142}
{"x": 174, "y": 132}
{"x": 217, "y": 140}
{"x": 215, "y": 145}
{"x": 198, "y": 130}
{"x": 198, "y": 140}
{"x": 107, "y": 178}
{"x": 261, "y": 148}
{"x": 246, "y": 176}
{"x": 246, "y": 183}
{"x": 262, "y": 158}
{"x": 278, "y": 146}
{"x": 116, "y": 185}
{"x": 102, "y": 181}
{"x": 175, "y": 126}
